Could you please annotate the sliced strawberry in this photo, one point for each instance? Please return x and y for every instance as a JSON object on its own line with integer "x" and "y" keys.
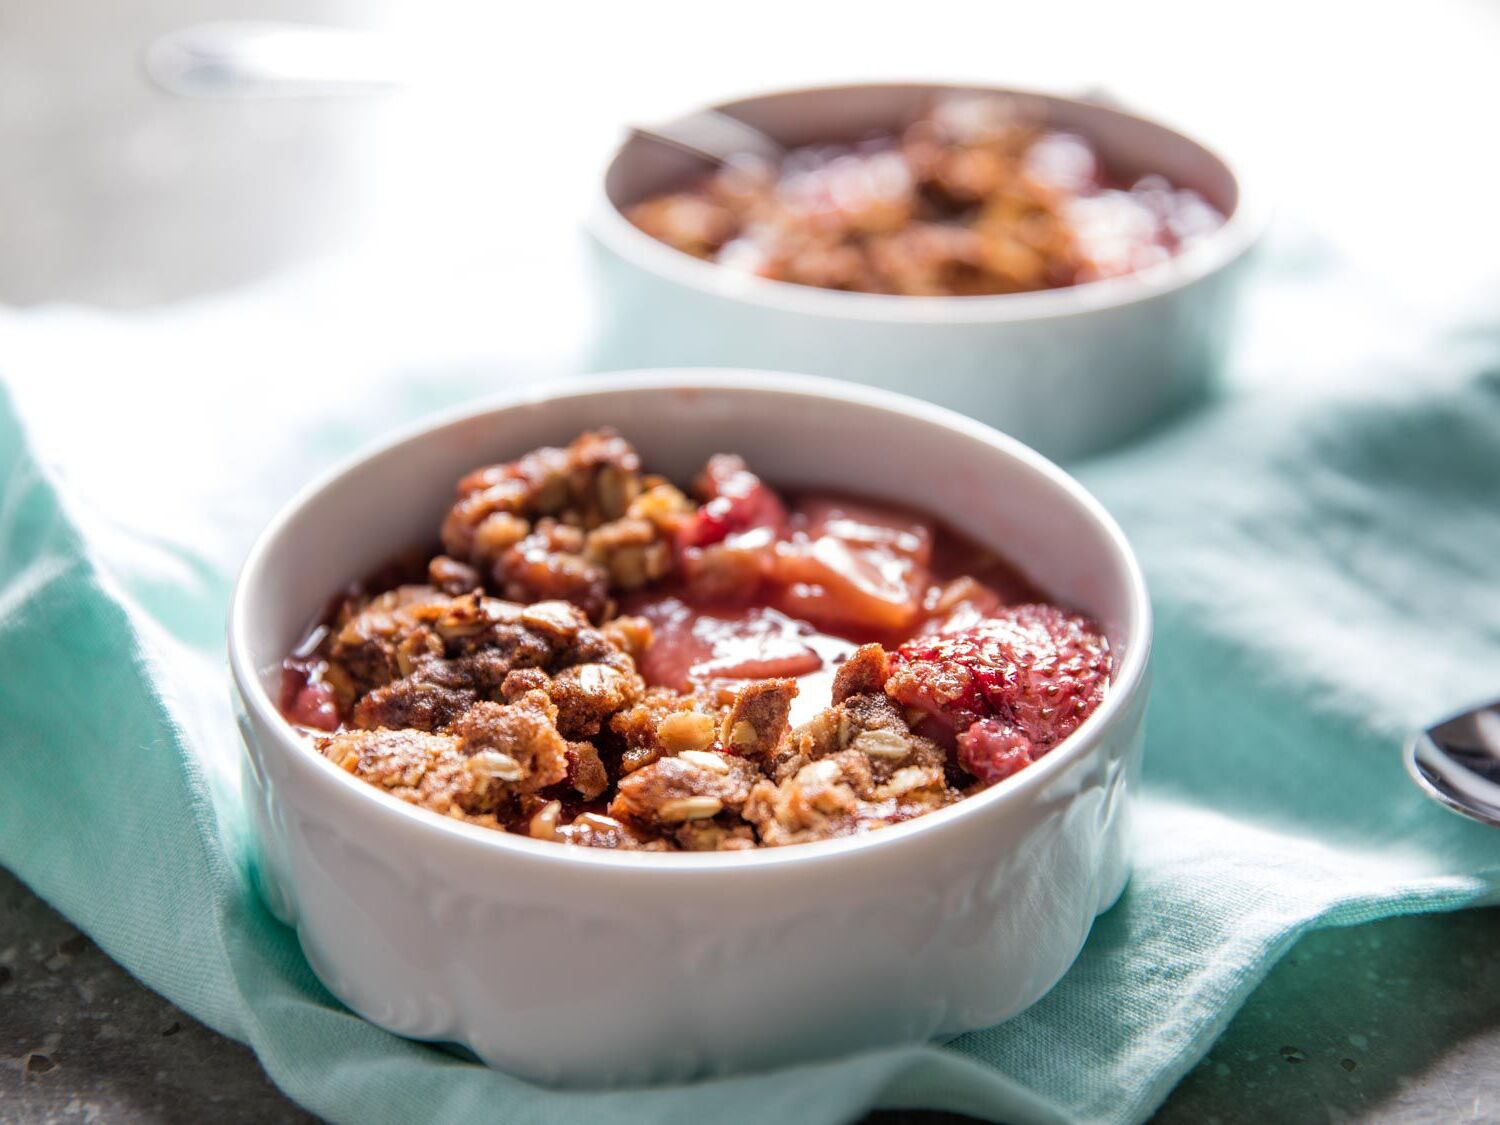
{"x": 992, "y": 750}
{"x": 1037, "y": 670}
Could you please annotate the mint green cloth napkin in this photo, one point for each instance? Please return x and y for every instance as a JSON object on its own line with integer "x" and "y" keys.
{"x": 1325, "y": 565}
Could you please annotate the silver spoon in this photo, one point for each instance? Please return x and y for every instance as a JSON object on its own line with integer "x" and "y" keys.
{"x": 1457, "y": 763}
{"x": 235, "y": 59}
{"x": 715, "y": 137}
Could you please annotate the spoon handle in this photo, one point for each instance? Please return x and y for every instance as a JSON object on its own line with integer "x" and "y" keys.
{"x": 272, "y": 59}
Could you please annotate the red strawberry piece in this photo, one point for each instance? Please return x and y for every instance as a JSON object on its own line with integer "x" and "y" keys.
{"x": 735, "y": 500}
{"x": 1030, "y": 673}
{"x": 992, "y": 750}
{"x": 306, "y": 699}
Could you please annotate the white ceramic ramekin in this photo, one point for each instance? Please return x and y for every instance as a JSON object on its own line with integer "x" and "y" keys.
{"x": 1070, "y": 371}
{"x": 567, "y": 964}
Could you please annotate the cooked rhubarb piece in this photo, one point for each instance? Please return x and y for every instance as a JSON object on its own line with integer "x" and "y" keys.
{"x": 724, "y": 643}
{"x": 858, "y": 565}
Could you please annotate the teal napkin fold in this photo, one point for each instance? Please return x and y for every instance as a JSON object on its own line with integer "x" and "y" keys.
{"x": 1325, "y": 568}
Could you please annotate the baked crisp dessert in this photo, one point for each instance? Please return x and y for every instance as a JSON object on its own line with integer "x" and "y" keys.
{"x": 976, "y": 198}
{"x": 598, "y": 658}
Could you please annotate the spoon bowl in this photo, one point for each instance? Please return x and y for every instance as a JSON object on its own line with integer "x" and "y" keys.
{"x": 1457, "y": 763}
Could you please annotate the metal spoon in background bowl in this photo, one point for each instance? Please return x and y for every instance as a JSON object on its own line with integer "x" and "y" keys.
{"x": 715, "y": 137}
{"x": 1457, "y": 763}
{"x": 260, "y": 59}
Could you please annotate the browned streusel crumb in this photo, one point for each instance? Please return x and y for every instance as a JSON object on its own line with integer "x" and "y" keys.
{"x": 586, "y": 771}
{"x": 821, "y": 801}
{"x": 570, "y": 524}
{"x": 548, "y": 564}
{"x": 421, "y": 659}
{"x": 863, "y": 673}
{"x": 713, "y": 836}
{"x": 631, "y": 551}
{"x": 661, "y": 504}
{"x": 517, "y": 743}
{"x": 840, "y": 795}
{"x": 374, "y": 640}
{"x": 687, "y": 732}
{"x": 518, "y": 681}
{"x": 641, "y": 726}
{"x": 871, "y": 725}
{"x": 587, "y": 695}
{"x": 453, "y": 577}
{"x": 591, "y": 830}
{"x": 673, "y": 791}
{"x": 430, "y": 770}
{"x": 421, "y": 701}
{"x": 632, "y": 635}
{"x": 757, "y": 720}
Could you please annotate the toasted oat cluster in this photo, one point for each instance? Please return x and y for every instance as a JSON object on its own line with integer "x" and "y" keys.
{"x": 975, "y": 198}
{"x": 598, "y": 658}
